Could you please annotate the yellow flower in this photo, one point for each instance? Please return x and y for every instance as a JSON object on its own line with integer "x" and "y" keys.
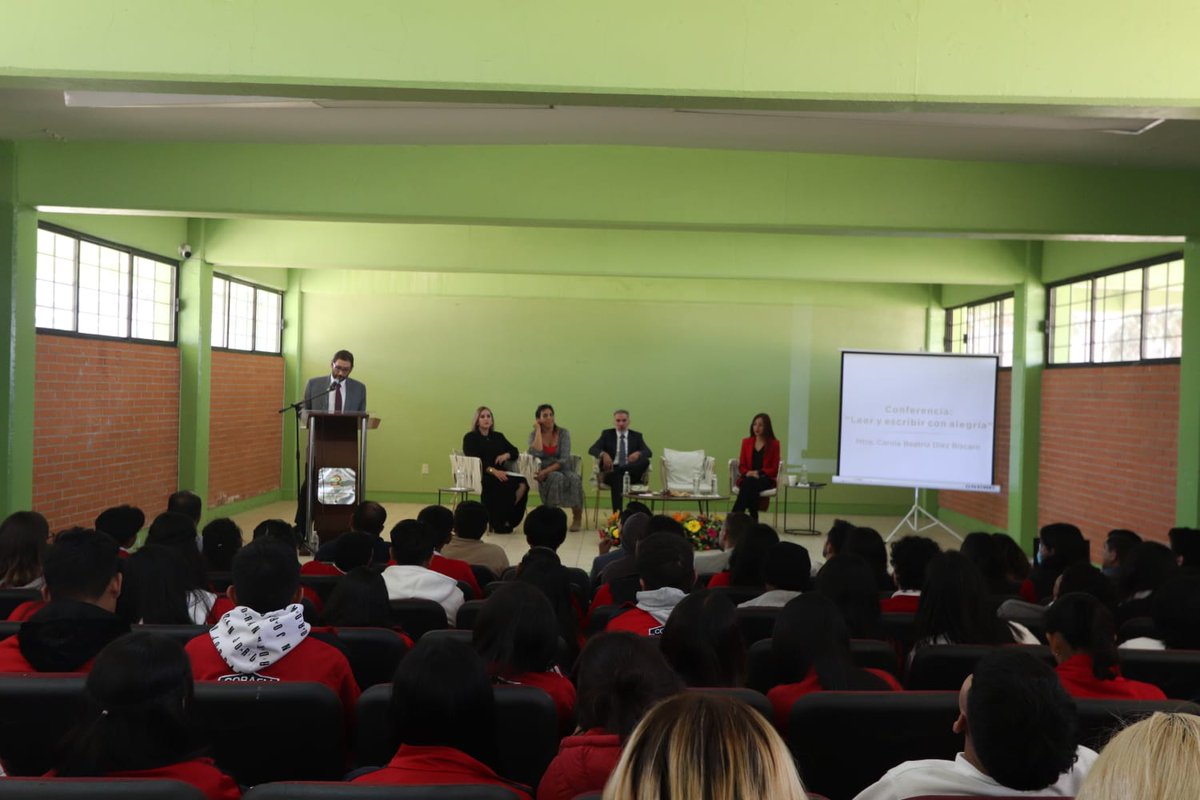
{"x": 692, "y": 525}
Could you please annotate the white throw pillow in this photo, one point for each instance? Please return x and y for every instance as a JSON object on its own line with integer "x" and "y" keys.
{"x": 683, "y": 467}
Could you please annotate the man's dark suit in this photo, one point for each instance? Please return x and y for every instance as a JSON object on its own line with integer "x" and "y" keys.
{"x": 316, "y": 394}
{"x": 634, "y": 443}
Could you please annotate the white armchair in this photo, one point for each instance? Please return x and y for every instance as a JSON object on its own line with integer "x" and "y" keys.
{"x": 733, "y": 487}
{"x": 602, "y": 489}
{"x": 682, "y": 468}
{"x": 471, "y": 482}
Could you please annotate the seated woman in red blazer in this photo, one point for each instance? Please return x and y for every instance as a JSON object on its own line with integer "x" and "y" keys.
{"x": 758, "y": 464}
{"x": 1083, "y": 638}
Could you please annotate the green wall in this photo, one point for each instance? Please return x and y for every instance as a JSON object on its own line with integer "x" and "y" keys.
{"x": 158, "y": 235}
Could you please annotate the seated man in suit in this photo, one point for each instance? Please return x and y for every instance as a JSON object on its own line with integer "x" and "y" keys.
{"x": 621, "y": 451}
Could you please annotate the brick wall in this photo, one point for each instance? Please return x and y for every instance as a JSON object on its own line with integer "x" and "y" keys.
{"x": 990, "y": 508}
{"x": 1109, "y": 447}
{"x": 246, "y": 433}
{"x": 106, "y": 427}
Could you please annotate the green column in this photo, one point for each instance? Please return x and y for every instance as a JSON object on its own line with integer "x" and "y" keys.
{"x": 195, "y": 369}
{"x": 1187, "y": 461}
{"x": 293, "y": 382}
{"x": 1029, "y": 325}
{"x": 18, "y": 281}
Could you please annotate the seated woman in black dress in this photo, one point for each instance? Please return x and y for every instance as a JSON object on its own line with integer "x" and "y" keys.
{"x": 504, "y": 495}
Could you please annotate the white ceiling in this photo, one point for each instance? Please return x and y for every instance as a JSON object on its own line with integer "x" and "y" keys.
{"x": 962, "y": 135}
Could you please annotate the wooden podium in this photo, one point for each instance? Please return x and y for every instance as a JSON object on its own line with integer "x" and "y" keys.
{"x": 336, "y": 470}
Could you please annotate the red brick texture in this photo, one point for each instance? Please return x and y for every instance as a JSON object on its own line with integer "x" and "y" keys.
{"x": 990, "y": 508}
{"x": 246, "y": 432}
{"x": 106, "y": 427}
{"x": 1109, "y": 448}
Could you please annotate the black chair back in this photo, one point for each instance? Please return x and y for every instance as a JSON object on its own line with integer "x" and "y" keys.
{"x": 274, "y": 731}
{"x": 8, "y": 629}
{"x": 468, "y": 613}
{"x": 415, "y": 616}
{"x": 1137, "y": 628}
{"x": 1100, "y": 719}
{"x": 738, "y": 594}
{"x": 180, "y": 633}
{"x": 323, "y": 585}
{"x": 11, "y": 598}
{"x": 35, "y": 712}
{"x": 484, "y": 576}
{"x": 757, "y": 623}
{"x": 845, "y": 741}
{"x": 97, "y": 789}
{"x": 289, "y": 790}
{"x": 601, "y": 616}
{"x": 762, "y": 673}
{"x": 946, "y": 666}
{"x": 373, "y": 653}
{"x": 1176, "y": 672}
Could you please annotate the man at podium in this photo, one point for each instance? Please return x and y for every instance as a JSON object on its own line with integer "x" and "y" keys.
{"x": 336, "y": 391}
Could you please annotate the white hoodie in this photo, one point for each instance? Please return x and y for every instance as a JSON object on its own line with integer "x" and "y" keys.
{"x": 659, "y": 603}
{"x": 408, "y": 581}
{"x": 248, "y": 641}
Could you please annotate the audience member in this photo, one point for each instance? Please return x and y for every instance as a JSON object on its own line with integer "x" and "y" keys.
{"x": 985, "y": 552}
{"x": 665, "y": 567}
{"x": 620, "y": 580}
{"x": 1019, "y": 732}
{"x": 867, "y": 544}
{"x": 849, "y": 582}
{"x": 136, "y": 725}
{"x": 1083, "y": 577}
{"x": 122, "y": 523}
{"x": 1147, "y": 566}
{"x": 441, "y": 519}
{"x": 278, "y": 529}
{"x": 369, "y": 517}
{"x": 955, "y": 607}
{"x": 1185, "y": 544}
{"x": 788, "y": 572}
{"x": 1116, "y": 547}
{"x": 360, "y": 600}
{"x": 349, "y": 551}
{"x": 1060, "y": 544}
{"x": 1083, "y": 640}
{"x": 613, "y": 549}
{"x": 748, "y": 559}
{"x": 546, "y": 526}
{"x": 1156, "y": 757}
{"x": 619, "y": 677}
{"x": 1176, "y": 615}
{"x": 413, "y": 543}
{"x": 178, "y": 532}
{"x": 83, "y": 581}
{"x": 24, "y": 536}
{"x": 702, "y": 642}
{"x": 811, "y": 650}
{"x": 444, "y": 715}
{"x": 910, "y": 558}
{"x": 836, "y": 538}
{"x": 710, "y": 562}
{"x": 702, "y": 745}
{"x": 623, "y": 570}
{"x": 187, "y": 503}
{"x": 541, "y": 568}
{"x": 219, "y": 543}
{"x": 159, "y": 589}
{"x": 470, "y": 523}
{"x": 1016, "y": 563}
{"x": 265, "y": 637}
{"x": 516, "y": 634}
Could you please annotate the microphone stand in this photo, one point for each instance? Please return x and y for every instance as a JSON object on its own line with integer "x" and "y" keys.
{"x": 298, "y": 406}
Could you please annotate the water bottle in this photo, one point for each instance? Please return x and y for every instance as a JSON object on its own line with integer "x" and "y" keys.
{"x": 625, "y": 483}
{"x": 458, "y": 479}
{"x": 803, "y": 475}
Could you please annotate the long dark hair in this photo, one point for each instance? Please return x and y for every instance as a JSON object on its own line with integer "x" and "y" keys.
{"x": 138, "y": 694}
{"x": 810, "y": 635}
{"x": 768, "y": 429}
{"x": 1088, "y": 628}
{"x": 516, "y": 631}
{"x": 620, "y": 676}
{"x": 954, "y": 604}
{"x": 360, "y": 600}
{"x": 702, "y": 642}
{"x": 849, "y": 582}
{"x": 747, "y": 563}
{"x": 156, "y": 588}
{"x": 23, "y": 538}
{"x": 542, "y": 569}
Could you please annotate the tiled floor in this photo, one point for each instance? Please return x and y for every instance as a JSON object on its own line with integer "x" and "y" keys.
{"x": 580, "y": 548}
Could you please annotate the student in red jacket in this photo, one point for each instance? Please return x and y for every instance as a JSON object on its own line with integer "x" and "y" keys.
{"x": 83, "y": 581}
{"x": 910, "y": 556}
{"x": 1082, "y": 636}
{"x": 136, "y": 723}
{"x": 265, "y": 637}
{"x": 665, "y": 564}
{"x": 811, "y": 649}
{"x": 441, "y": 519}
{"x": 444, "y": 713}
{"x": 620, "y": 676}
{"x": 758, "y": 465}
{"x": 517, "y": 636}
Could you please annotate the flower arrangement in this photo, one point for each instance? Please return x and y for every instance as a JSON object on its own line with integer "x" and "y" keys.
{"x": 612, "y": 528}
{"x": 704, "y": 532}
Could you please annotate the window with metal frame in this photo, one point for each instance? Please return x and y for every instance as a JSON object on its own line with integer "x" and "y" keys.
{"x": 982, "y": 328}
{"x": 93, "y": 287}
{"x": 1133, "y": 313}
{"x": 246, "y": 317}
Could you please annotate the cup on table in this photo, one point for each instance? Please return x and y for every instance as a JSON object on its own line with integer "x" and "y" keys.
{"x": 791, "y": 479}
